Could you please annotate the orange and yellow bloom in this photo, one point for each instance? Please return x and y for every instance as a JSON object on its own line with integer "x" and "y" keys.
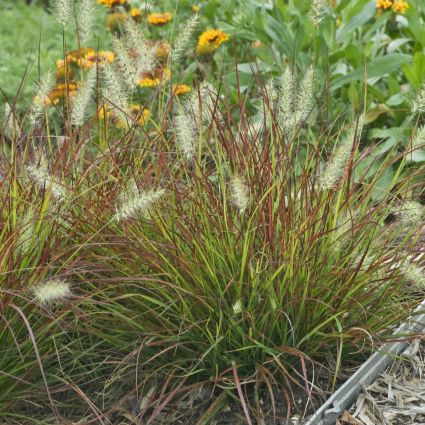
{"x": 181, "y": 89}
{"x": 155, "y": 78}
{"x": 159, "y": 18}
{"x": 111, "y": 3}
{"x": 210, "y": 40}
{"x": 136, "y": 14}
{"x": 398, "y": 6}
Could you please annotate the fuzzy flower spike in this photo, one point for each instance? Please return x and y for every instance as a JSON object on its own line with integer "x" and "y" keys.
{"x": 52, "y": 291}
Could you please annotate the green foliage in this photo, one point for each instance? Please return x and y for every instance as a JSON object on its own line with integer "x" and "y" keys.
{"x": 237, "y": 238}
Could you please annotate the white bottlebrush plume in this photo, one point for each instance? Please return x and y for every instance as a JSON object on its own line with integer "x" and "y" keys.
{"x": 114, "y": 93}
{"x": 10, "y": 126}
{"x": 137, "y": 43}
{"x": 62, "y": 11}
{"x": 52, "y": 291}
{"x": 82, "y": 98}
{"x": 126, "y": 64}
{"x": 40, "y": 175}
{"x": 286, "y": 98}
{"x": 183, "y": 38}
{"x": 414, "y": 274}
{"x": 240, "y": 193}
{"x": 185, "y": 135}
{"x": 26, "y": 235}
{"x": 134, "y": 55}
{"x": 305, "y": 99}
{"x": 41, "y": 98}
{"x": 418, "y": 103}
{"x": 335, "y": 167}
{"x": 86, "y": 14}
{"x": 410, "y": 212}
{"x": 318, "y": 11}
{"x": 418, "y": 141}
{"x": 133, "y": 203}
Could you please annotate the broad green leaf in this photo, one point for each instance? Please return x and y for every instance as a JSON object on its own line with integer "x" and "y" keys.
{"x": 375, "y": 68}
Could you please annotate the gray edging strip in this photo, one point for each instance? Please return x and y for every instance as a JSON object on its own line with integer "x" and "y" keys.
{"x": 347, "y": 394}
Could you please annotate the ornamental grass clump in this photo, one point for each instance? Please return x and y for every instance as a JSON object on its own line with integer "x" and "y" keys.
{"x": 268, "y": 262}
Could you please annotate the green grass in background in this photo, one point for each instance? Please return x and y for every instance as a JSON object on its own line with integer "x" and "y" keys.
{"x": 29, "y": 37}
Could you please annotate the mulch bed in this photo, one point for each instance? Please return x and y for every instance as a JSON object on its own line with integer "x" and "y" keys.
{"x": 397, "y": 397}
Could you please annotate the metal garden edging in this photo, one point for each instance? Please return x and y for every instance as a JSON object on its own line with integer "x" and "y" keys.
{"x": 347, "y": 394}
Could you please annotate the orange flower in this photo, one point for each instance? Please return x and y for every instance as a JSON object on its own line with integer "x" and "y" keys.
{"x": 210, "y": 40}
{"x": 74, "y": 56}
{"x": 159, "y": 18}
{"x": 400, "y": 6}
{"x": 111, "y": 3}
{"x": 136, "y": 14}
{"x": 101, "y": 57}
{"x": 138, "y": 116}
{"x": 59, "y": 92}
{"x": 153, "y": 79}
{"x": 63, "y": 71}
{"x": 181, "y": 89}
{"x": 384, "y": 4}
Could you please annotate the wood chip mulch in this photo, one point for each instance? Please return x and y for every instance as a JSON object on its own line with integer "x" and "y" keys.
{"x": 397, "y": 397}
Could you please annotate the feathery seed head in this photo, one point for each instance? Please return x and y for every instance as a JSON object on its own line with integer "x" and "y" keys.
{"x": 335, "y": 167}
{"x": 10, "y": 125}
{"x": 134, "y": 203}
{"x": 240, "y": 193}
{"x": 286, "y": 97}
{"x": 62, "y": 11}
{"x": 114, "y": 93}
{"x": 418, "y": 141}
{"x": 42, "y": 178}
{"x": 414, "y": 274}
{"x": 86, "y": 16}
{"x": 410, "y": 212}
{"x": 82, "y": 98}
{"x": 185, "y": 134}
{"x": 52, "y": 291}
{"x": 183, "y": 39}
{"x": 41, "y": 99}
{"x": 318, "y": 11}
{"x": 305, "y": 100}
{"x": 418, "y": 103}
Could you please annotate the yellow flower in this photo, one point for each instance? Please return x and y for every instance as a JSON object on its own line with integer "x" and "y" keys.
{"x": 400, "y": 6}
{"x": 159, "y": 18}
{"x": 63, "y": 71}
{"x": 162, "y": 49}
{"x": 180, "y": 89}
{"x": 111, "y": 3}
{"x": 196, "y": 8}
{"x": 136, "y": 14}
{"x": 153, "y": 79}
{"x": 210, "y": 40}
{"x": 137, "y": 114}
{"x": 384, "y": 4}
{"x": 93, "y": 58}
{"x": 59, "y": 92}
{"x": 75, "y": 56}
{"x": 104, "y": 112}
